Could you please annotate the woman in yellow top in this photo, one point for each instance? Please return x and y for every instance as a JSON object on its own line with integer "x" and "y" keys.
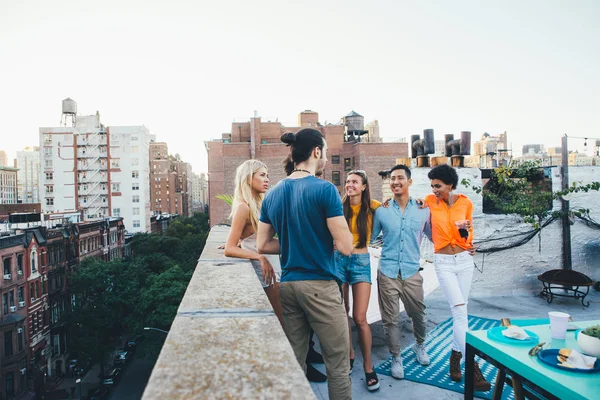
{"x": 355, "y": 269}
{"x": 452, "y": 234}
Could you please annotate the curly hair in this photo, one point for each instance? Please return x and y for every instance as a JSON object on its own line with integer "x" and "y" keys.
{"x": 444, "y": 173}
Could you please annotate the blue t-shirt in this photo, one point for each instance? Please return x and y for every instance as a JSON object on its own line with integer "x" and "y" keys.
{"x": 298, "y": 210}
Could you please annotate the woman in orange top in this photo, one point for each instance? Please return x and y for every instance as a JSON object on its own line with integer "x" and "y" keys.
{"x": 452, "y": 233}
{"x": 355, "y": 269}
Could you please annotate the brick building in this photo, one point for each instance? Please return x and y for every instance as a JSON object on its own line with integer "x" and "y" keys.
{"x": 170, "y": 182}
{"x": 36, "y": 265}
{"x": 261, "y": 140}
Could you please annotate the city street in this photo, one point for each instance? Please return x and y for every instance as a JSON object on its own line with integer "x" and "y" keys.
{"x": 134, "y": 379}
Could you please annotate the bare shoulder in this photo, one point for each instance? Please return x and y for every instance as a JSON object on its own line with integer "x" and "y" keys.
{"x": 241, "y": 208}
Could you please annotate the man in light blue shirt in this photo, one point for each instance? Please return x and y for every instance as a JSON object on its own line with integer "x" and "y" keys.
{"x": 403, "y": 224}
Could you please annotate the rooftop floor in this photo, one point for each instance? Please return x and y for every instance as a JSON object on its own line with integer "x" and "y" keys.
{"x": 495, "y": 307}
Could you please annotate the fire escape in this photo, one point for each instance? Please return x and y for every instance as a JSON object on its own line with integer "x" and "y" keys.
{"x": 93, "y": 172}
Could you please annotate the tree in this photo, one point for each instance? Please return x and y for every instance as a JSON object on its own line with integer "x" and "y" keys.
{"x": 121, "y": 297}
{"x": 94, "y": 320}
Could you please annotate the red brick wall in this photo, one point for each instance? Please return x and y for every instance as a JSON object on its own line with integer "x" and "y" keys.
{"x": 223, "y": 158}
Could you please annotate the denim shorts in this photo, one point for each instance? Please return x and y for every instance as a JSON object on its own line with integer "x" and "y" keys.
{"x": 353, "y": 269}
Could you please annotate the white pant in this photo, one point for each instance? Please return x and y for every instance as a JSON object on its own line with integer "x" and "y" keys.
{"x": 455, "y": 273}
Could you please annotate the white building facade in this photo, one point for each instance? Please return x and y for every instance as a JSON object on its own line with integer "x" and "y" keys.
{"x": 28, "y": 163}
{"x": 130, "y": 176}
{"x": 96, "y": 170}
{"x": 8, "y": 185}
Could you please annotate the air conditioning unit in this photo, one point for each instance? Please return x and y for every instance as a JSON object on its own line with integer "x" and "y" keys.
{"x": 23, "y": 371}
{"x": 32, "y": 299}
{"x": 19, "y": 330}
{"x": 13, "y": 308}
{"x": 21, "y": 304}
{"x": 20, "y": 272}
{"x": 7, "y": 276}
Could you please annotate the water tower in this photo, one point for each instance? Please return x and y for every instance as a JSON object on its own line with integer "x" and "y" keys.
{"x": 69, "y": 112}
{"x": 355, "y": 126}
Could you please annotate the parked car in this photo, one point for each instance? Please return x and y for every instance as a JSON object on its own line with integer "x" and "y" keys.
{"x": 113, "y": 377}
{"x": 122, "y": 357}
{"x": 99, "y": 394}
{"x": 130, "y": 345}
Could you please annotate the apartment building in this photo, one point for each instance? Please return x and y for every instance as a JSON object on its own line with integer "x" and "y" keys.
{"x": 259, "y": 139}
{"x": 8, "y": 185}
{"x": 28, "y": 176}
{"x": 170, "y": 181}
{"x": 99, "y": 170}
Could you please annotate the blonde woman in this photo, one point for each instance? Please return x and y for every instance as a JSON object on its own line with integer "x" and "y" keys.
{"x": 251, "y": 183}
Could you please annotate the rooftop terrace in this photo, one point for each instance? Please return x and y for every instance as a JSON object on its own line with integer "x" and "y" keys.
{"x": 227, "y": 343}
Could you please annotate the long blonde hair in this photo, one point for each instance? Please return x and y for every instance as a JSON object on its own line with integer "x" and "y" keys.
{"x": 243, "y": 190}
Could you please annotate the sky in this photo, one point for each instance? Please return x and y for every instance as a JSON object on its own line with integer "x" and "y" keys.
{"x": 187, "y": 69}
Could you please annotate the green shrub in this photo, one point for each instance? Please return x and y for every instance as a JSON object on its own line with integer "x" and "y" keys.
{"x": 593, "y": 331}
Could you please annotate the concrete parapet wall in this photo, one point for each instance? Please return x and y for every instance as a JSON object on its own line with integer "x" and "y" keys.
{"x": 226, "y": 342}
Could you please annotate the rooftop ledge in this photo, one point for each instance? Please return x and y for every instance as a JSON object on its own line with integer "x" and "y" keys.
{"x": 226, "y": 341}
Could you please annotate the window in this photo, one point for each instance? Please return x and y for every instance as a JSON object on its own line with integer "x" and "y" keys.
{"x": 116, "y": 187}
{"x": 135, "y": 174}
{"x": 7, "y": 265}
{"x": 49, "y": 188}
{"x": 47, "y": 151}
{"x": 49, "y": 201}
{"x": 116, "y": 212}
{"x": 136, "y": 223}
{"x": 135, "y": 199}
{"x": 48, "y": 163}
{"x": 8, "y": 346}
{"x": 21, "y": 294}
{"x": 135, "y": 161}
{"x": 33, "y": 260}
{"x": 136, "y": 211}
{"x": 5, "y": 303}
{"x": 135, "y": 186}
{"x": 20, "y": 340}
{"x": 335, "y": 159}
{"x": 49, "y": 176}
{"x": 347, "y": 164}
{"x": 47, "y": 139}
{"x": 115, "y": 163}
{"x": 134, "y": 138}
{"x": 9, "y": 379}
{"x": 31, "y": 292}
{"x": 335, "y": 178}
{"x": 11, "y": 298}
{"x": 134, "y": 149}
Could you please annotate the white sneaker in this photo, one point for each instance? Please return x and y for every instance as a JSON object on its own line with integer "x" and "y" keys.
{"x": 397, "y": 367}
{"x": 421, "y": 353}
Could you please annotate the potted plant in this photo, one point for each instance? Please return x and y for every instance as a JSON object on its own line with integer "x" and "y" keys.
{"x": 589, "y": 341}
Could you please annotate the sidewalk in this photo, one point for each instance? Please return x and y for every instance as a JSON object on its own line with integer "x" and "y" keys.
{"x": 91, "y": 380}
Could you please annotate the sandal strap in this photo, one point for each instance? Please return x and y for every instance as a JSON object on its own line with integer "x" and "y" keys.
{"x": 369, "y": 376}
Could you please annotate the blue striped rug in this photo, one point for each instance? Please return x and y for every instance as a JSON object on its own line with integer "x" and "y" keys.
{"x": 439, "y": 346}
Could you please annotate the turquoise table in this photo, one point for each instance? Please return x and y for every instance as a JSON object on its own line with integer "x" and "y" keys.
{"x": 515, "y": 361}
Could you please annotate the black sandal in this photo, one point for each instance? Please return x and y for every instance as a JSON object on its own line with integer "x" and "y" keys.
{"x": 351, "y": 365}
{"x": 372, "y": 376}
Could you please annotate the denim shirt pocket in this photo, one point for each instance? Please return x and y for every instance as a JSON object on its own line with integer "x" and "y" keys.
{"x": 416, "y": 224}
